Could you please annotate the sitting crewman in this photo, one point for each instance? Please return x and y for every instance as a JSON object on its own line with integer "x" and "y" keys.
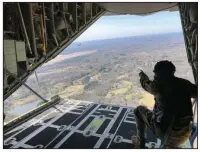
{"x": 173, "y": 107}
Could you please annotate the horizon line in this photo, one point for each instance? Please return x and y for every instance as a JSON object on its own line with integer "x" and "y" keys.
{"x": 129, "y": 36}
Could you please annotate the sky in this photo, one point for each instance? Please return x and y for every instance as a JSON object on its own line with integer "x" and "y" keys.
{"x": 108, "y": 27}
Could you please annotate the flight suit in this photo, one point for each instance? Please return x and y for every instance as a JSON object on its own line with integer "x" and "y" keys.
{"x": 172, "y": 107}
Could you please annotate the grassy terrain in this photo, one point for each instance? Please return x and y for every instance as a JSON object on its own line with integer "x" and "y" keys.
{"x": 147, "y": 100}
{"x": 125, "y": 87}
{"x": 72, "y": 90}
{"x": 129, "y": 96}
{"x": 122, "y": 76}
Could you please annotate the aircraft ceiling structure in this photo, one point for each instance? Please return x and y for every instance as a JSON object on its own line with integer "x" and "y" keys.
{"x": 137, "y": 8}
{"x": 35, "y": 33}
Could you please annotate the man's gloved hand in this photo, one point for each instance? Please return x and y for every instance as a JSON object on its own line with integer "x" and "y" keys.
{"x": 144, "y": 79}
{"x": 141, "y": 74}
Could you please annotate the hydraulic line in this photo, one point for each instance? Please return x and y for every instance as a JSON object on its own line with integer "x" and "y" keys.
{"x": 32, "y": 31}
{"x": 42, "y": 34}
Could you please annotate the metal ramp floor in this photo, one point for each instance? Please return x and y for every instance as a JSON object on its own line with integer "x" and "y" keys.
{"x": 74, "y": 124}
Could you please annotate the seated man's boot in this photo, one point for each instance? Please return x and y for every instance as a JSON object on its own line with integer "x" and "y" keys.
{"x": 138, "y": 142}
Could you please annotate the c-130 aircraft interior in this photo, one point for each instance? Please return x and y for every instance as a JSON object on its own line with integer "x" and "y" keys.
{"x": 34, "y": 34}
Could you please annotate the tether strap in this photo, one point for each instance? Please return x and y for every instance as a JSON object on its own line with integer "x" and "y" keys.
{"x": 166, "y": 136}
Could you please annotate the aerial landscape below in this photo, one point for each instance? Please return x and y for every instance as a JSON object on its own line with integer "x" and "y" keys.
{"x": 102, "y": 71}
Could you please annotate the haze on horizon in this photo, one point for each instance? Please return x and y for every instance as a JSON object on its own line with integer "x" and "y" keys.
{"x": 108, "y": 27}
